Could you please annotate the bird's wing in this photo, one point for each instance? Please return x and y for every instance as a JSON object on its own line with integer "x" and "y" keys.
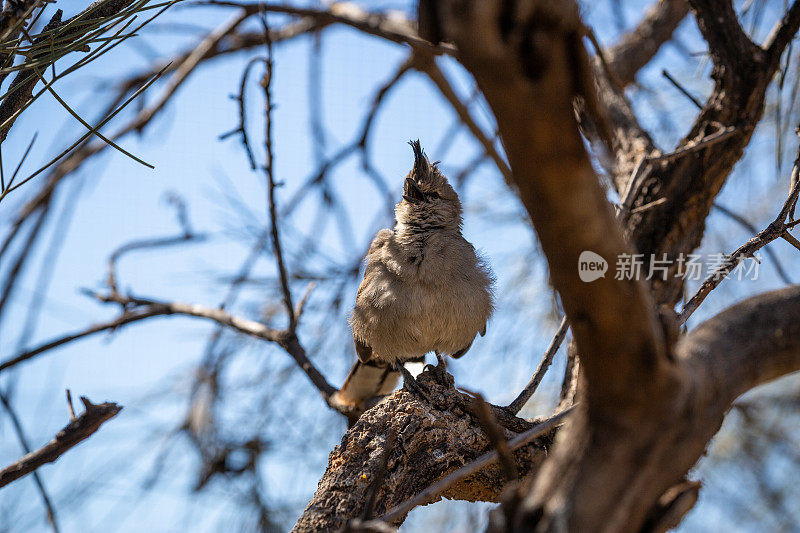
{"x": 363, "y": 350}
{"x": 462, "y": 351}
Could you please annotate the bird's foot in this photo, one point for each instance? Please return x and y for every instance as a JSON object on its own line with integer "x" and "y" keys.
{"x": 411, "y": 383}
{"x": 439, "y": 371}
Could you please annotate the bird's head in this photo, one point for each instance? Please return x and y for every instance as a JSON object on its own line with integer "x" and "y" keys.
{"x": 429, "y": 202}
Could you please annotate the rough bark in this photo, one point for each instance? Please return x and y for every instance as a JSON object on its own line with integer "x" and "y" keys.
{"x": 691, "y": 181}
{"x": 433, "y": 439}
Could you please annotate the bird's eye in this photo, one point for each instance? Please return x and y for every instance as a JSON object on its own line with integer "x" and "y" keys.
{"x": 433, "y": 195}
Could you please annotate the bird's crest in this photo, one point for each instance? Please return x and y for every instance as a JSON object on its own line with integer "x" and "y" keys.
{"x": 421, "y": 165}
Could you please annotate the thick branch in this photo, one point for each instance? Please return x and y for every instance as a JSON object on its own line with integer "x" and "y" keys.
{"x": 530, "y": 88}
{"x": 433, "y": 439}
{"x": 636, "y": 49}
{"x": 746, "y": 345}
{"x": 73, "y": 434}
{"x": 687, "y": 181}
{"x": 729, "y": 45}
{"x": 783, "y": 33}
{"x": 642, "y": 419}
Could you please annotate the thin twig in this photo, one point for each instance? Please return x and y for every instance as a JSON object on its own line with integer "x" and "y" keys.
{"x": 776, "y": 229}
{"x": 788, "y": 237}
{"x": 428, "y": 66}
{"x": 70, "y": 407}
{"x": 648, "y": 206}
{"x": 124, "y": 319}
{"x": 185, "y": 236}
{"x": 752, "y": 229}
{"x": 301, "y": 305}
{"x": 46, "y": 501}
{"x": 705, "y": 142}
{"x": 523, "y": 397}
{"x": 682, "y": 89}
{"x": 266, "y": 82}
{"x": 241, "y": 129}
{"x": 136, "y": 309}
{"x": 569, "y": 386}
{"x": 392, "y": 28}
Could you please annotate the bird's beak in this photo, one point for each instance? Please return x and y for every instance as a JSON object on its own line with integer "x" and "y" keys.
{"x": 411, "y": 191}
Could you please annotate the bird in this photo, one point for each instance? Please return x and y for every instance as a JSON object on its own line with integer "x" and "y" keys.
{"x": 425, "y": 289}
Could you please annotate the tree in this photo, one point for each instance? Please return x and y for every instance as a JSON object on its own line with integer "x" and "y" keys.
{"x": 642, "y": 395}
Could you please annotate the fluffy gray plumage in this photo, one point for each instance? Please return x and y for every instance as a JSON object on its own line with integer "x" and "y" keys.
{"x": 424, "y": 289}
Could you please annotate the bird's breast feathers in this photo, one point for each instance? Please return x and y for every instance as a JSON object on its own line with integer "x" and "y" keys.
{"x": 439, "y": 301}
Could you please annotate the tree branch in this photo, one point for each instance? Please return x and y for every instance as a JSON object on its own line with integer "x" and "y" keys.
{"x": 523, "y": 397}
{"x": 269, "y": 170}
{"x": 440, "y": 435}
{"x": 532, "y": 99}
{"x": 73, "y": 434}
{"x": 692, "y": 176}
{"x": 783, "y": 33}
{"x": 746, "y": 345}
{"x": 730, "y": 47}
{"x": 637, "y": 49}
{"x": 642, "y": 420}
{"x": 776, "y": 229}
{"x": 427, "y": 65}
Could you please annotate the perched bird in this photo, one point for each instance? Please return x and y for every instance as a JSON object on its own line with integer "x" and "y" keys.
{"x": 424, "y": 289}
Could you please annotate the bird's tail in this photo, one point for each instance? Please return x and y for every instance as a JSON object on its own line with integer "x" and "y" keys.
{"x": 367, "y": 383}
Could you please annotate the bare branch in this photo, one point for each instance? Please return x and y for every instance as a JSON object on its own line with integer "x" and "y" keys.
{"x": 778, "y": 228}
{"x": 124, "y": 319}
{"x": 442, "y": 435}
{"x": 783, "y": 33}
{"x": 495, "y": 434}
{"x": 15, "y": 421}
{"x": 729, "y": 45}
{"x": 393, "y": 29}
{"x": 636, "y": 49}
{"x": 742, "y": 221}
{"x": 73, "y": 434}
{"x": 746, "y": 345}
{"x": 158, "y": 242}
{"x": 523, "y": 397}
{"x": 266, "y": 82}
{"x": 536, "y": 121}
{"x": 241, "y": 129}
